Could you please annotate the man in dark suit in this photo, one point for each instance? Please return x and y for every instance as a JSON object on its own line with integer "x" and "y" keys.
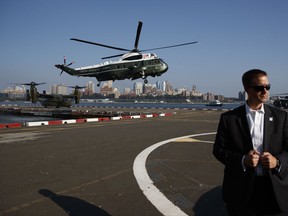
{"x": 252, "y": 143}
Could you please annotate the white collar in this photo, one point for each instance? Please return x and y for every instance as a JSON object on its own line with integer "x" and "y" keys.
{"x": 248, "y": 109}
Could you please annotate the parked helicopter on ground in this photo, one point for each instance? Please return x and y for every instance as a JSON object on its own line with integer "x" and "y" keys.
{"x": 54, "y": 100}
{"x": 282, "y": 101}
{"x": 132, "y": 65}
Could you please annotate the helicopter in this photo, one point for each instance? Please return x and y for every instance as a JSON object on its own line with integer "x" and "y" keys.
{"x": 281, "y": 101}
{"x": 54, "y": 100}
{"x": 132, "y": 64}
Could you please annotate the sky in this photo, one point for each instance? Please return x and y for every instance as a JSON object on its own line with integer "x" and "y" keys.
{"x": 233, "y": 37}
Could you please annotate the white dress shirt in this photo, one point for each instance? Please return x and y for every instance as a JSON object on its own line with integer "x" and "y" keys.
{"x": 255, "y": 120}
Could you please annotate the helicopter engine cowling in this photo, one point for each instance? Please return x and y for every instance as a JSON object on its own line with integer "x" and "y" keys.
{"x": 27, "y": 96}
{"x": 34, "y": 95}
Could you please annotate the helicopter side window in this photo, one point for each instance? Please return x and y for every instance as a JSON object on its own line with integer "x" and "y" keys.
{"x": 134, "y": 57}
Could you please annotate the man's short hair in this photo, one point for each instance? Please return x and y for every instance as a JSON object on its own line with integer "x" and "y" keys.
{"x": 250, "y": 75}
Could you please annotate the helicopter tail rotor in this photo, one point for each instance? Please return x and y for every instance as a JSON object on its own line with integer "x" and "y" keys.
{"x": 65, "y": 65}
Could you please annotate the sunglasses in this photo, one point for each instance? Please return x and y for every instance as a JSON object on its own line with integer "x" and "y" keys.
{"x": 261, "y": 88}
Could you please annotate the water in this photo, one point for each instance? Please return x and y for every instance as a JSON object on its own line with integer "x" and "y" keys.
{"x": 160, "y": 105}
{"x": 12, "y": 118}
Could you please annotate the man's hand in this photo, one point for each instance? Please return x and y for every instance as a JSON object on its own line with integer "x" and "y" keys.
{"x": 268, "y": 161}
{"x": 251, "y": 159}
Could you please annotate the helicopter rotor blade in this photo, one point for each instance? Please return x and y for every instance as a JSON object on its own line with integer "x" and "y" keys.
{"x": 70, "y": 63}
{"x": 76, "y": 87}
{"x": 107, "y": 57}
{"x": 285, "y": 94}
{"x": 138, "y": 35}
{"x": 40, "y": 83}
{"x": 20, "y": 83}
{"x": 135, "y": 50}
{"x": 98, "y": 44}
{"x": 184, "y": 44}
{"x": 29, "y": 84}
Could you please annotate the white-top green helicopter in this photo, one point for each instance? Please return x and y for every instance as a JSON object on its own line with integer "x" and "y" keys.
{"x": 132, "y": 65}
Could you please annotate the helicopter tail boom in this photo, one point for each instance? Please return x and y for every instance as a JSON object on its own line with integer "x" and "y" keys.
{"x": 67, "y": 69}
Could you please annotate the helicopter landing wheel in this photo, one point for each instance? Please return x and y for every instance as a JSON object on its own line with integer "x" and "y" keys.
{"x": 143, "y": 74}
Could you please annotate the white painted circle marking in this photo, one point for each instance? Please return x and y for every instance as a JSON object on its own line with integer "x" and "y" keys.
{"x": 153, "y": 194}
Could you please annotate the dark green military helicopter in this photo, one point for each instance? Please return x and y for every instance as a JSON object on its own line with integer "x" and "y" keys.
{"x": 52, "y": 100}
{"x": 132, "y": 65}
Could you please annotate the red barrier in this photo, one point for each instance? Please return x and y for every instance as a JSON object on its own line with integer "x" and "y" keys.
{"x": 103, "y": 119}
{"x": 11, "y": 125}
{"x": 81, "y": 120}
{"x": 59, "y": 122}
{"x": 56, "y": 122}
{"x": 126, "y": 117}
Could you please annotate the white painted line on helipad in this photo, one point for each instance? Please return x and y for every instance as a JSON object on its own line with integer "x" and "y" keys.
{"x": 153, "y": 194}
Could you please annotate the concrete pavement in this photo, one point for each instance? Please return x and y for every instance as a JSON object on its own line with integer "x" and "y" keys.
{"x": 87, "y": 168}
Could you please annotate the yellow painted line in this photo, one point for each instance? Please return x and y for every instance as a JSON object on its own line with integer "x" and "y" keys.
{"x": 187, "y": 140}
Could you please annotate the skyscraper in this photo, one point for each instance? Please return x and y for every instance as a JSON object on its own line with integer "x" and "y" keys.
{"x": 59, "y": 89}
{"x": 89, "y": 88}
{"x": 138, "y": 88}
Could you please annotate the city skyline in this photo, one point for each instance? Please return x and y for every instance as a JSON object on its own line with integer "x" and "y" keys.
{"x": 138, "y": 88}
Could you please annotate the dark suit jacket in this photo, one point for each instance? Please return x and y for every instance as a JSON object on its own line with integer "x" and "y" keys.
{"x": 233, "y": 141}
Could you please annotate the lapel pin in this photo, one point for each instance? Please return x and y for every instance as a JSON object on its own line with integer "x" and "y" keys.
{"x": 271, "y": 119}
